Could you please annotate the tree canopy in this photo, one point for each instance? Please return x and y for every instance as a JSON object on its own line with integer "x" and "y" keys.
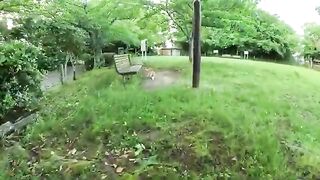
{"x": 233, "y": 26}
{"x": 229, "y": 26}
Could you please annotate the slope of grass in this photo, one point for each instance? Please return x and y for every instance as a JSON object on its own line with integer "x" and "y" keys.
{"x": 248, "y": 120}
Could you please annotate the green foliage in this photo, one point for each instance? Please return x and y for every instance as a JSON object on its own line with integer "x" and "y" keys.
{"x": 233, "y": 26}
{"x": 238, "y": 26}
{"x": 154, "y": 27}
{"x": 68, "y": 26}
{"x": 88, "y": 61}
{"x": 19, "y": 75}
{"x": 229, "y": 26}
{"x": 311, "y": 41}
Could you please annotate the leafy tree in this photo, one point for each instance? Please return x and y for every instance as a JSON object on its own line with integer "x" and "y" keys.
{"x": 311, "y": 41}
{"x": 241, "y": 26}
{"x": 232, "y": 26}
{"x": 179, "y": 15}
{"x": 103, "y": 21}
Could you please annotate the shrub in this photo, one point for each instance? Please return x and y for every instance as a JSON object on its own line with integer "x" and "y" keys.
{"x": 108, "y": 58}
{"x": 88, "y": 61}
{"x": 19, "y": 76}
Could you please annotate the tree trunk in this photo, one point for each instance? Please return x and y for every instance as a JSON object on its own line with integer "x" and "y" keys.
{"x": 93, "y": 43}
{"x": 97, "y": 57}
{"x": 73, "y": 61}
{"x": 190, "y": 49}
{"x": 61, "y": 74}
{"x": 74, "y": 70}
{"x": 100, "y": 58}
{"x": 65, "y": 72}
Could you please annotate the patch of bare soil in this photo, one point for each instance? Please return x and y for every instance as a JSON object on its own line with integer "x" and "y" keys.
{"x": 161, "y": 79}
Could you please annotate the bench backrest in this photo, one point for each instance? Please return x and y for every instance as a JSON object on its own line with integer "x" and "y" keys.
{"x": 122, "y": 61}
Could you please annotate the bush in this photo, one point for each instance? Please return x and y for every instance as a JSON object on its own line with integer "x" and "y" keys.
{"x": 49, "y": 63}
{"x": 19, "y": 76}
{"x": 108, "y": 58}
{"x": 88, "y": 61}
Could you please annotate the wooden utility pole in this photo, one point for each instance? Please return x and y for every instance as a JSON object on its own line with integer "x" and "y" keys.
{"x": 196, "y": 43}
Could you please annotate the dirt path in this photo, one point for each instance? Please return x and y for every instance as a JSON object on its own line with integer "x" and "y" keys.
{"x": 162, "y": 79}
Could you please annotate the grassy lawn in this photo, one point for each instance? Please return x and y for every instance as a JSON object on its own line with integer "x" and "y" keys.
{"x": 248, "y": 120}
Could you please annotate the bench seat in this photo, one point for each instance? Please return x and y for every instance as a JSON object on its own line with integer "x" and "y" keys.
{"x": 130, "y": 70}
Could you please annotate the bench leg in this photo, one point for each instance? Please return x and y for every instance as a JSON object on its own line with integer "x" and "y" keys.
{"x": 124, "y": 81}
{"x": 125, "y": 78}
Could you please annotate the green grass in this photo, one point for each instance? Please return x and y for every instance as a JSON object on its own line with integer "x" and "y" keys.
{"x": 248, "y": 120}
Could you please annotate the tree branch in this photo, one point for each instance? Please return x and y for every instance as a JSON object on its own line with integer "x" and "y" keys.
{"x": 174, "y": 21}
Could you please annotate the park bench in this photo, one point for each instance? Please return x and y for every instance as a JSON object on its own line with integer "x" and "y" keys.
{"x": 124, "y": 67}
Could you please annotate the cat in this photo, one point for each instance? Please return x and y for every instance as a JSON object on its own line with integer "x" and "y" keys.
{"x": 150, "y": 73}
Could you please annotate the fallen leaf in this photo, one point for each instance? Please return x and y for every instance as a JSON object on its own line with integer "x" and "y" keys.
{"x": 73, "y": 151}
{"x": 134, "y": 134}
{"x": 114, "y": 165}
{"x": 104, "y": 176}
{"x": 140, "y": 148}
{"x": 234, "y": 159}
{"x": 67, "y": 170}
{"x": 128, "y": 151}
{"x": 119, "y": 170}
{"x": 132, "y": 160}
{"x": 106, "y": 163}
{"x": 125, "y": 156}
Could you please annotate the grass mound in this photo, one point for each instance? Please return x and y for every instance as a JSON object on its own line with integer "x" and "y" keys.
{"x": 248, "y": 120}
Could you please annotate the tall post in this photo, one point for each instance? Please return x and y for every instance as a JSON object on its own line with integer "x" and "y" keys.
{"x": 196, "y": 44}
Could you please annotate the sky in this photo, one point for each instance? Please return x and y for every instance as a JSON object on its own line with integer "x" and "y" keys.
{"x": 295, "y": 13}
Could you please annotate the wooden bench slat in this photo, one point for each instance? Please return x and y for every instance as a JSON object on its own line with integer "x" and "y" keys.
{"x": 124, "y": 66}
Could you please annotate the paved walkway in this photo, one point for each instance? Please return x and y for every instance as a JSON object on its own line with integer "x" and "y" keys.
{"x": 162, "y": 79}
{"x": 52, "y": 79}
